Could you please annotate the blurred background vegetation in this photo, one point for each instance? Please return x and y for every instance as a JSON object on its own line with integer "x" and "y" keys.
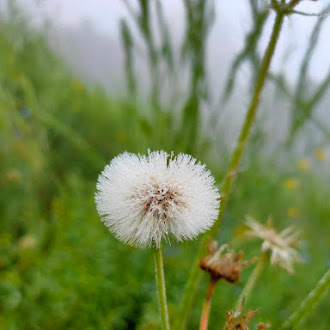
{"x": 59, "y": 266}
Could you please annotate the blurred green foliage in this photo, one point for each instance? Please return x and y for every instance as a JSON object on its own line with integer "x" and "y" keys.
{"x": 59, "y": 266}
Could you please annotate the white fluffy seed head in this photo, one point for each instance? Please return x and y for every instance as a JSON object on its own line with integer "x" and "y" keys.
{"x": 279, "y": 244}
{"x": 143, "y": 199}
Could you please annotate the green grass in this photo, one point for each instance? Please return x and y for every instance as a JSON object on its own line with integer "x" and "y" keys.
{"x": 60, "y": 268}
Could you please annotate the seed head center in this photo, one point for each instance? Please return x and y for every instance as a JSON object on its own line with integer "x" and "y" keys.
{"x": 159, "y": 201}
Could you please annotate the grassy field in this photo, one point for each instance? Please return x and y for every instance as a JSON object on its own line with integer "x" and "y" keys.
{"x": 60, "y": 268}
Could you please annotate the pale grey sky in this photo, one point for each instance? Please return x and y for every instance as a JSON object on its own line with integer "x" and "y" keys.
{"x": 104, "y": 16}
{"x": 225, "y": 41}
{"x": 96, "y": 53}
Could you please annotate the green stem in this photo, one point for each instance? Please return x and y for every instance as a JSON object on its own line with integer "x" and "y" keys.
{"x": 194, "y": 277}
{"x": 160, "y": 280}
{"x": 313, "y": 298}
{"x": 248, "y": 122}
{"x": 252, "y": 280}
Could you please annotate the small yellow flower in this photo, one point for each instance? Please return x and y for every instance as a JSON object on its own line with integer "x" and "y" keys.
{"x": 291, "y": 184}
{"x": 77, "y": 85}
{"x": 320, "y": 154}
{"x": 304, "y": 164}
{"x": 292, "y": 212}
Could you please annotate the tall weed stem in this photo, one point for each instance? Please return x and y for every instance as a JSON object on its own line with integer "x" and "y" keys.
{"x": 237, "y": 154}
{"x": 313, "y": 298}
{"x": 252, "y": 280}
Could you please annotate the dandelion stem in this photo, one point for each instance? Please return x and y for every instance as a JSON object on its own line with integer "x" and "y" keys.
{"x": 310, "y": 302}
{"x": 160, "y": 280}
{"x": 252, "y": 280}
{"x": 194, "y": 276}
{"x": 207, "y": 304}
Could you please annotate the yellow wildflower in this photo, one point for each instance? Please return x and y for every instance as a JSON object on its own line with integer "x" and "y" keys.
{"x": 320, "y": 154}
{"x": 77, "y": 85}
{"x": 304, "y": 164}
{"x": 291, "y": 184}
{"x": 292, "y": 212}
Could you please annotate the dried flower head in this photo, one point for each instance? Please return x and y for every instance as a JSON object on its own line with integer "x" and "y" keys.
{"x": 234, "y": 321}
{"x": 143, "y": 199}
{"x": 278, "y": 244}
{"x": 223, "y": 265}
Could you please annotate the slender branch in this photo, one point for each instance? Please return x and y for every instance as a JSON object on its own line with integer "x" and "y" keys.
{"x": 301, "y": 108}
{"x": 249, "y": 50}
{"x": 297, "y": 12}
{"x": 293, "y": 3}
{"x": 313, "y": 298}
{"x": 300, "y": 90}
{"x": 249, "y": 120}
{"x": 252, "y": 280}
{"x": 323, "y": 87}
{"x": 323, "y": 128}
{"x": 195, "y": 275}
{"x": 207, "y": 304}
{"x": 160, "y": 279}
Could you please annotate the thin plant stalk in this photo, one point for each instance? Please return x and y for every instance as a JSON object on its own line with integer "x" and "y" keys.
{"x": 249, "y": 120}
{"x": 190, "y": 290}
{"x": 207, "y": 304}
{"x": 310, "y": 302}
{"x": 236, "y": 158}
{"x": 252, "y": 280}
{"x": 160, "y": 280}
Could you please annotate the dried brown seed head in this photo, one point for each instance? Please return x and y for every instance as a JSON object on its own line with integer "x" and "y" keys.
{"x": 234, "y": 320}
{"x": 223, "y": 265}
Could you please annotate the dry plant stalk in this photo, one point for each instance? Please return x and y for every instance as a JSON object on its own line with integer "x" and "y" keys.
{"x": 220, "y": 265}
{"x": 234, "y": 321}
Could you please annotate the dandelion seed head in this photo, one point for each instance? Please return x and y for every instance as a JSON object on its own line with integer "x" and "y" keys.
{"x": 144, "y": 199}
{"x": 280, "y": 245}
